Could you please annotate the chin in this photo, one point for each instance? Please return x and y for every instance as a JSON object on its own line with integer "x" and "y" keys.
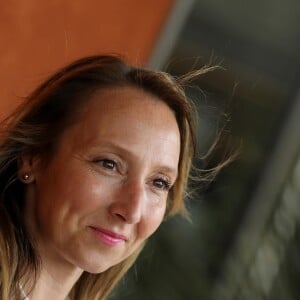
{"x": 98, "y": 269}
{"x": 94, "y": 268}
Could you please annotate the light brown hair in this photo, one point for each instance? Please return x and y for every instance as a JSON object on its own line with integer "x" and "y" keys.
{"x": 35, "y": 128}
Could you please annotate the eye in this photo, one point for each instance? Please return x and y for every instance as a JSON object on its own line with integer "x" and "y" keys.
{"x": 108, "y": 164}
{"x": 162, "y": 184}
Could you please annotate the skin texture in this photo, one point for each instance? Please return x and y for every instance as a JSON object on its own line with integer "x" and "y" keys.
{"x": 111, "y": 172}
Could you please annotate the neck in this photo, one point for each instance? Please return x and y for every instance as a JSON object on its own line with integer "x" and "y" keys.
{"x": 53, "y": 284}
{"x": 56, "y": 277}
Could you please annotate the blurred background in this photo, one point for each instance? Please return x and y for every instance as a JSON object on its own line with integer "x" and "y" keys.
{"x": 244, "y": 238}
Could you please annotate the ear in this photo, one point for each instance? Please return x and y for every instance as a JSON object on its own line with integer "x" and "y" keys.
{"x": 28, "y": 168}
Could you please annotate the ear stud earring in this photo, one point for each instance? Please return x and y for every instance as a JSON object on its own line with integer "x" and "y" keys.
{"x": 26, "y": 177}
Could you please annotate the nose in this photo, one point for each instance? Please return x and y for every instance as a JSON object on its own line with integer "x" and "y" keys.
{"x": 129, "y": 202}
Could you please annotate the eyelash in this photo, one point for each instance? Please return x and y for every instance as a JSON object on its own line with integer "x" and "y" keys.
{"x": 107, "y": 163}
{"x": 165, "y": 182}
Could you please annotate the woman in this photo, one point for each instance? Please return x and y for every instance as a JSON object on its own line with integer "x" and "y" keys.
{"x": 90, "y": 165}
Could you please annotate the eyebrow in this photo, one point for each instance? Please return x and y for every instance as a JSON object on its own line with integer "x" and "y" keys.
{"x": 169, "y": 170}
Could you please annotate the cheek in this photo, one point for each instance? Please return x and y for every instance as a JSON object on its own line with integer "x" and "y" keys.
{"x": 85, "y": 194}
{"x": 70, "y": 196}
{"x": 151, "y": 221}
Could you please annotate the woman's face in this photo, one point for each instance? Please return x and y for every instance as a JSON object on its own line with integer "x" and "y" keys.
{"x": 104, "y": 191}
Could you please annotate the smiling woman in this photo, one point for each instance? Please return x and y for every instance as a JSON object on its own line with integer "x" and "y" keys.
{"x": 90, "y": 165}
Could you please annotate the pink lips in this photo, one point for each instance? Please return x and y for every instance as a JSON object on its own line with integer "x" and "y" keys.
{"x": 108, "y": 237}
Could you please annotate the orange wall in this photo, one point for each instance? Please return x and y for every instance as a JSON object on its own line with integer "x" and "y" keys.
{"x": 37, "y": 36}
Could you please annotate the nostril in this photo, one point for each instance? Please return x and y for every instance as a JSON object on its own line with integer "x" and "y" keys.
{"x": 120, "y": 216}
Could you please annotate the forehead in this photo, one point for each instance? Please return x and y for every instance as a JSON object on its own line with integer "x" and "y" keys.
{"x": 129, "y": 116}
{"x": 129, "y": 104}
{"x": 126, "y": 98}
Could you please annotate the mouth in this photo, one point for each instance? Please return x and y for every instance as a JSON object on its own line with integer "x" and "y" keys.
{"x": 108, "y": 237}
